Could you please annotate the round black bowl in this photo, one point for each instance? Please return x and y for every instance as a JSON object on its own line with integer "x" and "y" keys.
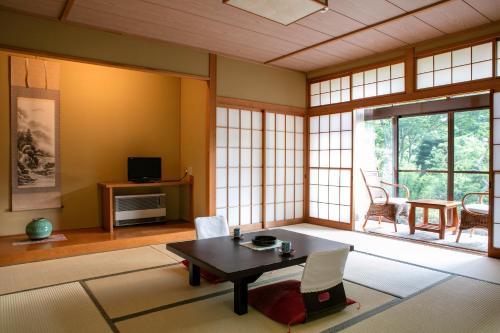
{"x": 264, "y": 240}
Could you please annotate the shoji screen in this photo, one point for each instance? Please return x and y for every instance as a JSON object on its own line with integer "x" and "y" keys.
{"x": 496, "y": 170}
{"x": 330, "y": 163}
{"x": 284, "y": 167}
{"x": 239, "y": 165}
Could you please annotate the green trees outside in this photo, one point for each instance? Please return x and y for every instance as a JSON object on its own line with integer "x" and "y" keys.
{"x": 423, "y": 146}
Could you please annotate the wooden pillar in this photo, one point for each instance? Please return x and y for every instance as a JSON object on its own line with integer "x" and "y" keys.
{"x": 211, "y": 114}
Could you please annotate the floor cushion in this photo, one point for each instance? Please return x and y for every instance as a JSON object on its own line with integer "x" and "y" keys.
{"x": 282, "y": 302}
{"x": 209, "y": 277}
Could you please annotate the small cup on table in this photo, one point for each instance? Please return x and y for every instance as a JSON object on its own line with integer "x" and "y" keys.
{"x": 286, "y": 247}
{"x": 236, "y": 232}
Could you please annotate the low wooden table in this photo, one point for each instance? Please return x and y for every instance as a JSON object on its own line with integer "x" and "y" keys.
{"x": 447, "y": 213}
{"x": 226, "y": 258}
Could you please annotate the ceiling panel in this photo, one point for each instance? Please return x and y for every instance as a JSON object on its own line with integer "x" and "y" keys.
{"x": 331, "y": 23}
{"x": 366, "y": 11}
{"x": 50, "y": 8}
{"x": 112, "y": 22}
{"x": 489, "y": 8}
{"x": 216, "y": 10}
{"x": 295, "y": 64}
{"x": 409, "y": 29}
{"x": 409, "y": 5}
{"x": 144, "y": 13}
{"x": 452, "y": 16}
{"x": 320, "y": 59}
{"x": 344, "y": 50}
{"x": 374, "y": 40}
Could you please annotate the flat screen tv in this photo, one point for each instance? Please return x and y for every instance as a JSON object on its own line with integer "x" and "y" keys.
{"x": 144, "y": 169}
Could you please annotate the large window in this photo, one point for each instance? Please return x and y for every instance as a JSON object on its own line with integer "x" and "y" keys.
{"x": 330, "y": 161}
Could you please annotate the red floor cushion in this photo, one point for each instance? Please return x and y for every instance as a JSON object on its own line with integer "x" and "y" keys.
{"x": 209, "y": 277}
{"x": 282, "y": 302}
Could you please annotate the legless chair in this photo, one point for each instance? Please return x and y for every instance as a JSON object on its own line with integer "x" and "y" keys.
{"x": 209, "y": 227}
{"x": 382, "y": 206}
{"x": 320, "y": 292}
{"x": 473, "y": 215}
{"x": 212, "y": 226}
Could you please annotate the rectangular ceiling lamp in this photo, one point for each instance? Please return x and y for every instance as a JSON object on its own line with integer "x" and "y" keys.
{"x": 281, "y": 11}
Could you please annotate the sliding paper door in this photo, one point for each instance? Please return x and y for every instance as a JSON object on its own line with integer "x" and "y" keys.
{"x": 284, "y": 181}
{"x": 330, "y": 168}
{"x": 238, "y": 177}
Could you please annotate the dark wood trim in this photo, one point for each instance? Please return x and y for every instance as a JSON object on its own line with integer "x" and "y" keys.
{"x": 211, "y": 129}
{"x": 451, "y": 154}
{"x": 457, "y": 46}
{"x": 275, "y": 224}
{"x": 330, "y": 224}
{"x": 492, "y": 250}
{"x": 410, "y": 70}
{"x": 395, "y": 151}
{"x": 428, "y": 107}
{"x": 368, "y": 27}
{"x": 58, "y": 56}
{"x": 66, "y": 10}
{"x": 256, "y": 105}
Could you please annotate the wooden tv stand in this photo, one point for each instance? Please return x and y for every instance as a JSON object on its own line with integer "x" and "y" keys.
{"x": 107, "y": 195}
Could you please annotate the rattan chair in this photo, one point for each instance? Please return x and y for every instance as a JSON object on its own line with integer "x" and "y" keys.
{"x": 382, "y": 205}
{"x": 473, "y": 215}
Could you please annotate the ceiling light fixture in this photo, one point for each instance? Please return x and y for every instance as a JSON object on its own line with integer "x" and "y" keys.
{"x": 281, "y": 11}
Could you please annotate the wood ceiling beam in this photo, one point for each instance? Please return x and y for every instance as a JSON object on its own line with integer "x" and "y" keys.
{"x": 66, "y": 10}
{"x": 368, "y": 27}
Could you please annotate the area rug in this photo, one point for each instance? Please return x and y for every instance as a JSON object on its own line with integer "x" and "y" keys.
{"x": 395, "y": 278}
{"x": 457, "y": 305}
{"x": 64, "y": 308}
{"x": 216, "y": 315}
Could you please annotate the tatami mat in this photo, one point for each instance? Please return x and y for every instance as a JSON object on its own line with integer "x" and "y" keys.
{"x": 456, "y": 262}
{"x": 126, "y": 294}
{"x": 455, "y": 306}
{"x": 216, "y": 315}
{"x": 50, "y": 272}
{"x": 64, "y": 308}
{"x": 392, "y": 277}
{"x": 162, "y": 248}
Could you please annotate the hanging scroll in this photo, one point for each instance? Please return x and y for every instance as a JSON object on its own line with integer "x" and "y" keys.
{"x": 35, "y": 155}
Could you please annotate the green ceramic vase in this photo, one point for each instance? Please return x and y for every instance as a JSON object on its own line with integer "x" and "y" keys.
{"x": 39, "y": 228}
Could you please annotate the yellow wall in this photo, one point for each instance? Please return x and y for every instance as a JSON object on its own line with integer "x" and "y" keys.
{"x": 107, "y": 114}
{"x": 194, "y": 98}
{"x": 246, "y": 80}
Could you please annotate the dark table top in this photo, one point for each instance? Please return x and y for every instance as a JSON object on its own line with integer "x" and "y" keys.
{"x": 226, "y": 258}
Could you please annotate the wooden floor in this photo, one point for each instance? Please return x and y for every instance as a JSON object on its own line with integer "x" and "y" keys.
{"x": 91, "y": 240}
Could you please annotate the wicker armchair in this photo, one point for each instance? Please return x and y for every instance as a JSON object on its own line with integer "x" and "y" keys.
{"x": 382, "y": 206}
{"x": 473, "y": 215}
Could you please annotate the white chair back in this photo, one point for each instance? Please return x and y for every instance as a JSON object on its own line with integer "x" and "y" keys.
{"x": 324, "y": 270}
{"x": 211, "y": 226}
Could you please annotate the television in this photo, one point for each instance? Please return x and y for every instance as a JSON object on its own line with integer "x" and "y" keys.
{"x": 144, "y": 169}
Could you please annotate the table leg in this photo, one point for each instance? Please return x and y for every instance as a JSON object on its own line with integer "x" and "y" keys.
{"x": 455, "y": 220}
{"x": 442, "y": 223}
{"x": 426, "y": 215}
{"x": 194, "y": 274}
{"x": 241, "y": 293}
{"x": 411, "y": 220}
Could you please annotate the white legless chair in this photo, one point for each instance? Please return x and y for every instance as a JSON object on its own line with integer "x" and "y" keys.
{"x": 320, "y": 291}
{"x": 211, "y": 226}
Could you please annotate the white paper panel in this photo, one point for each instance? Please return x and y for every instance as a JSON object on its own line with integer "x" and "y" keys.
{"x": 299, "y": 192}
{"x": 270, "y": 136}
{"x": 345, "y": 214}
{"x": 256, "y": 139}
{"x": 425, "y": 65}
{"x": 256, "y": 176}
{"x": 335, "y": 122}
{"x": 289, "y": 193}
{"x": 497, "y": 184}
{"x": 245, "y": 215}
{"x": 370, "y": 76}
{"x": 269, "y": 194}
{"x": 270, "y": 176}
{"x": 280, "y": 158}
{"x": 496, "y": 131}
{"x": 442, "y": 61}
{"x": 233, "y": 217}
{"x": 290, "y": 176}
{"x": 324, "y": 141}
{"x": 233, "y": 157}
{"x": 313, "y": 209}
{"x": 383, "y": 73}
{"x": 383, "y": 88}
{"x": 313, "y": 192}
{"x": 345, "y": 158}
{"x": 345, "y": 95}
{"x": 314, "y": 159}
{"x": 324, "y": 86}
{"x": 221, "y": 212}
{"x": 324, "y": 123}
{"x": 299, "y": 158}
{"x": 257, "y": 120}
{"x": 496, "y": 158}
{"x": 482, "y": 70}
{"x": 315, "y": 88}
{"x": 245, "y": 179}
{"x": 299, "y": 210}
{"x": 280, "y": 140}
{"x": 246, "y": 119}
{"x": 221, "y": 117}
{"x": 496, "y": 235}
{"x": 246, "y": 139}
{"x": 234, "y": 177}
{"x": 280, "y": 122}
{"x": 345, "y": 82}
{"x": 335, "y": 84}
{"x": 357, "y": 79}
{"x": 325, "y": 98}
{"x": 270, "y": 157}
{"x": 397, "y": 70}
{"x": 461, "y": 74}
{"x": 346, "y": 140}
{"x": 346, "y": 121}
{"x": 315, "y": 101}
{"x": 221, "y": 177}
{"x": 234, "y": 137}
{"x": 269, "y": 213}
{"x": 221, "y": 157}
{"x": 397, "y": 85}
{"x": 357, "y": 92}
{"x": 323, "y": 211}
{"x": 461, "y": 57}
{"x": 324, "y": 159}
{"x": 299, "y": 141}
{"x": 280, "y": 176}
{"x": 334, "y": 212}
{"x": 314, "y": 124}
{"x": 233, "y": 197}
{"x": 333, "y": 196}
{"x": 345, "y": 196}
{"x": 496, "y": 211}
{"x": 442, "y": 77}
{"x": 256, "y": 195}
{"x": 256, "y": 214}
{"x": 246, "y": 157}
{"x": 220, "y": 198}
{"x": 345, "y": 177}
{"x": 299, "y": 176}
{"x": 334, "y": 158}
{"x": 280, "y": 211}
{"x": 334, "y": 177}
{"x": 496, "y": 107}
{"x": 290, "y": 123}
{"x": 299, "y": 124}
{"x": 482, "y": 52}
{"x": 290, "y": 140}
{"x": 334, "y": 140}
{"x": 270, "y": 121}
{"x": 314, "y": 176}
{"x": 425, "y": 80}
{"x": 257, "y": 158}
{"x": 234, "y": 118}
